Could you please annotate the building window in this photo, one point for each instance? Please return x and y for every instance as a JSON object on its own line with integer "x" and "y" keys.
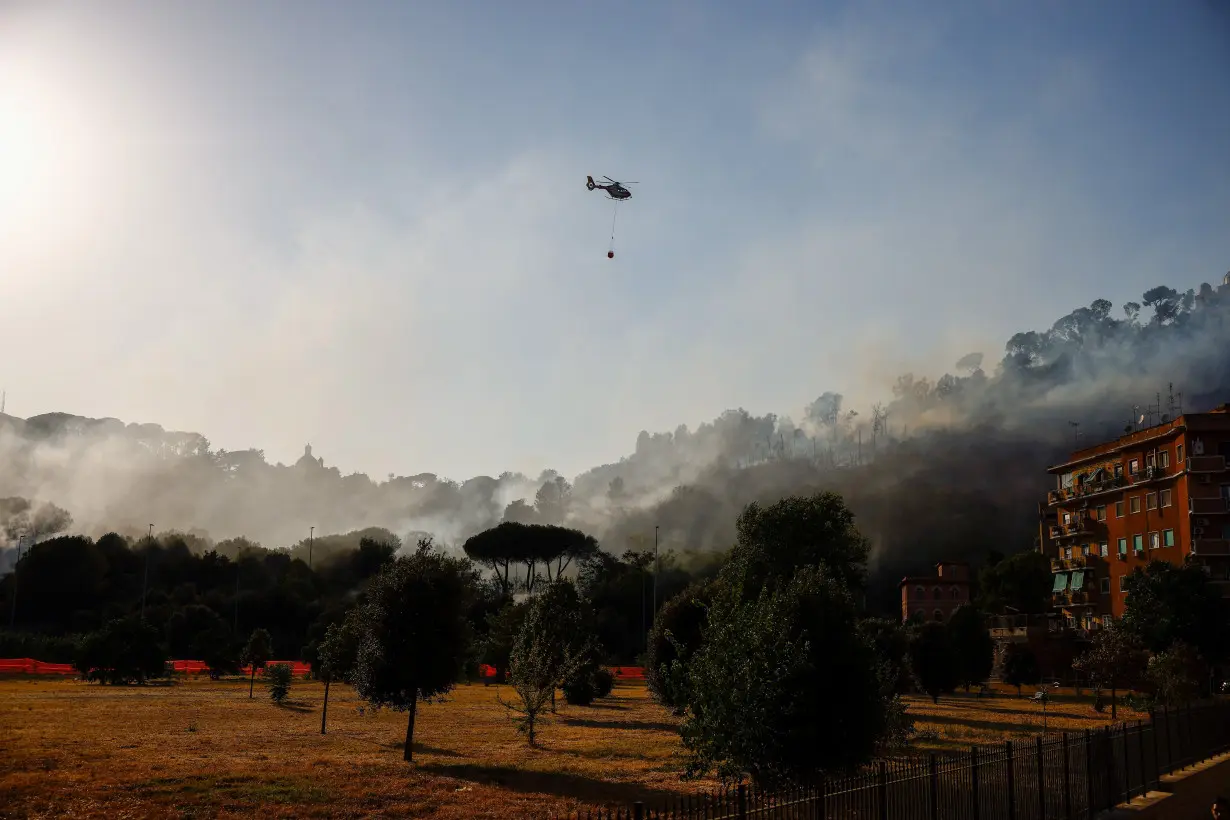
{"x": 1118, "y": 509}
{"x": 1105, "y": 586}
{"x": 937, "y": 593}
{"x": 1104, "y": 549}
{"x": 1149, "y": 459}
{"x": 1067, "y": 553}
{"x": 1085, "y": 549}
{"x": 1138, "y": 543}
{"x": 1123, "y": 583}
{"x": 1122, "y": 548}
{"x": 1167, "y": 538}
{"x": 1134, "y": 466}
{"x": 1163, "y": 459}
{"x": 1067, "y": 519}
{"x": 1118, "y": 471}
{"x": 1151, "y": 501}
{"x": 1178, "y": 451}
{"x": 956, "y": 593}
{"x": 920, "y": 593}
{"x": 939, "y": 614}
{"x": 1134, "y": 503}
{"x": 1102, "y": 513}
{"x": 1164, "y": 497}
{"x": 1155, "y": 541}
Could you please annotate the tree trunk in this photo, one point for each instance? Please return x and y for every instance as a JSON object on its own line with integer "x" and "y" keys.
{"x": 252, "y": 683}
{"x": 408, "y": 756}
{"x": 324, "y": 712}
{"x": 1114, "y": 703}
{"x": 552, "y": 700}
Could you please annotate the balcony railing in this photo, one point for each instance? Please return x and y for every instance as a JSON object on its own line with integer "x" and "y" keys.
{"x": 1209, "y": 546}
{"x": 1154, "y": 473}
{"x": 1206, "y": 464}
{"x": 1086, "y": 489}
{"x": 1207, "y": 506}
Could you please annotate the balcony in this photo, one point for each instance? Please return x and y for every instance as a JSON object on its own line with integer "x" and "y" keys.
{"x": 1206, "y": 464}
{"x": 1154, "y": 473}
{"x": 1209, "y": 546}
{"x": 1086, "y": 490}
{"x": 1207, "y": 506}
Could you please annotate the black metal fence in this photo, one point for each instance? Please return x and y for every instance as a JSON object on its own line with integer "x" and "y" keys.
{"x": 1059, "y": 777}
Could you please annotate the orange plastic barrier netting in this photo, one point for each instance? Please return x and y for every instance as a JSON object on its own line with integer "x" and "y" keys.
{"x": 29, "y": 666}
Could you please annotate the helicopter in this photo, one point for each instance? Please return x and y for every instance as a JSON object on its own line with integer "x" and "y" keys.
{"x": 615, "y": 190}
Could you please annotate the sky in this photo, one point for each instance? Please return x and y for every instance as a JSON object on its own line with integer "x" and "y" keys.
{"x": 365, "y": 225}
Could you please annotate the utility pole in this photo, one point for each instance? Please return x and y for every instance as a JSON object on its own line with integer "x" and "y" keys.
{"x": 13, "y": 614}
{"x": 311, "y": 539}
{"x": 235, "y": 625}
{"x": 145, "y": 584}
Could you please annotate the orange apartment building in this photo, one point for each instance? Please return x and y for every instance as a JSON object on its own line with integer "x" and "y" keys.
{"x": 1156, "y": 494}
{"x": 935, "y": 597}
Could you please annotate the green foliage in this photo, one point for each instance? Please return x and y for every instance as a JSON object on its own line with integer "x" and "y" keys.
{"x": 933, "y": 658}
{"x": 414, "y": 637}
{"x": 674, "y": 638}
{"x": 258, "y": 650}
{"x": 47, "y": 648}
{"x": 604, "y": 683}
{"x": 1022, "y": 582}
{"x": 502, "y": 629}
{"x": 339, "y": 650}
{"x": 1168, "y": 604}
{"x": 891, "y": 642}
{"x": 783, "y": 684}
{"x": 1177, "y": 675}
{"x": 800, "y": 531}
{"x": 1115, "y": 660}
{"x": 552, "y": 646}
{"x": 579, "y": 690}
{"x": 972, "y": 643}
{"x": 280, "y": 676}
{"x": 1020, "y": 666}
{"x": 511, "y": 543}
{"x": 124, "y": 650}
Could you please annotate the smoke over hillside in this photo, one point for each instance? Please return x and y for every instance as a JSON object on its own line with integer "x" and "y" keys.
{"x": 946, "y": 468}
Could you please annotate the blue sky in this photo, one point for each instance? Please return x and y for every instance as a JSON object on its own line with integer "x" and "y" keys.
{"x": 366, "y": 226}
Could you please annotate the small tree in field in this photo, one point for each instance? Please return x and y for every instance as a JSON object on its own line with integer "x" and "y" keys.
{"x": 414, "y": 636}
{"x": 1020, "y": 666}
{"x": 1116, "y": 659}
{"x": 337, "y": 656}
{"x": 934, "y": 660}
{"x": 551, "y": 648}
{"x": 1175, "y": 675}
{"x": 971, "y": 641}
{"x": 257, "y": 653}
{"x": 280, "y": 676}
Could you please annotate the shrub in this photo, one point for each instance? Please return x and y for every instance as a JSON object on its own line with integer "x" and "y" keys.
{"x": 604, "y": 682}
{"x": 580, "y": 691}
{"x": 280, "y": 676}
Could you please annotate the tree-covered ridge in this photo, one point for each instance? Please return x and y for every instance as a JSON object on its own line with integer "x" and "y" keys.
{"x": 944, "y": 469}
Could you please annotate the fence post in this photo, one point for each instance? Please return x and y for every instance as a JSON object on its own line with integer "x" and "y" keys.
{"x": 1140, "y": 741}
{"x": 883, "y": 790}
{"x": 742, "y": 798}
{"x": 822, "y": 797}
{"x": 638, "y": 811}
{"x": 1089, "y": 774}
{"x": 1011, "y": 783}
{"x": 1041, "y": 778}
{"x": 1169, "y": 751}
{"x": 1109, "y": 743}
{"x": 1157, "y": 761}
{"x": 935, "y": 789}
{"x": 1067, "y": 779}
{"x": 973, "y": 777}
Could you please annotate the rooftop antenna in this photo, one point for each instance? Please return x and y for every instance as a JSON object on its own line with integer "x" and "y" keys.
{"x": 1076, "y": 432}
{"x": 3, "y": 396}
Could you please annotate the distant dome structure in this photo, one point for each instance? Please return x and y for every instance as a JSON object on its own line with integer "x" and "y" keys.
{"x": 1225, "y": 280}
{"x": 306, "y": 460}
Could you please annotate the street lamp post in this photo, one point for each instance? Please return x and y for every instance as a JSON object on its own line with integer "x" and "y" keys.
{"x": 656, "y": 568}
{"x": 145, "y": 583}
{"x": 311, "y": 540}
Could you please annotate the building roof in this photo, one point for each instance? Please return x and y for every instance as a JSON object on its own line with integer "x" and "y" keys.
{"x": 934, "y": 580}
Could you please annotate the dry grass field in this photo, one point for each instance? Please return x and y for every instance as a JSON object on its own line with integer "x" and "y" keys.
{"x": 203, "y": 749}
